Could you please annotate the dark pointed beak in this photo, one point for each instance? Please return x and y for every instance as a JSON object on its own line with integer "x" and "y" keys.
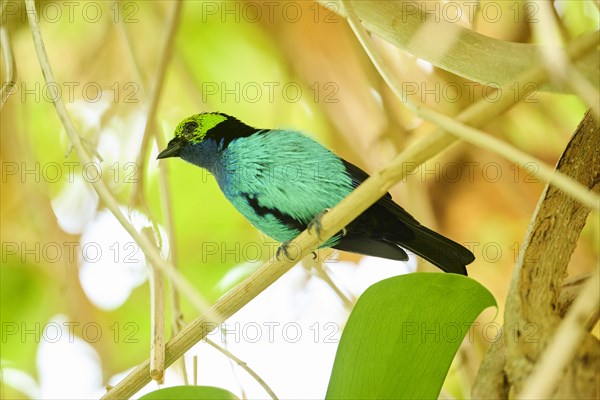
{"x": 173, "y": 149}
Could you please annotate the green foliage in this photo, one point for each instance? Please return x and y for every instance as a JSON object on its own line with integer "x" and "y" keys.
{"x": 403, "y": 334}
{"x": 190, "y": 392}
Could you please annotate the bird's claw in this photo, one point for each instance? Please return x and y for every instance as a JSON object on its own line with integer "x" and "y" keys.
{"x": 316, "y": 223}
{"x": 283, "y": 249}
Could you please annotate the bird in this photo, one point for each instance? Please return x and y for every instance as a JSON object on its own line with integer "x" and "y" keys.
{"x": 282, "y": 181}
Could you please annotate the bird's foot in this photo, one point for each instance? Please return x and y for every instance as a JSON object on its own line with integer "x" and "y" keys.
{"x": 283, "y": 249}
{"x": 315, "y": 224}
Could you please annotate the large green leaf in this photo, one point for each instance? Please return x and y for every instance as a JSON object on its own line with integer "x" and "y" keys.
{"x": 403, "y": 334}
{"x": 190, "y": 392}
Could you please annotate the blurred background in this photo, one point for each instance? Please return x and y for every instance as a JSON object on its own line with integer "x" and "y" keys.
{"x": 75, "y": 308}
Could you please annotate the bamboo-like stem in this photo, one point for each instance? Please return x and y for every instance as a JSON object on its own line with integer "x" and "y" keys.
{"x": 157, "y": 349}
{"x": 195, "y": 370}
{"x": 562, "y": 347}
{"x": 177, "y": 319}
{"x": 177, "y": 316}
{"x": 105, "y": 195}
{"x": 157, "y": 320}
{"x": 137, "y": 71}
{"x": 457, "y": 127}
{"x": 558, "y": 64}
{"x": 337, "y": 218}
{"x": 245, "y": 367}
{"x": 167, "y": 203}
{"x": 9, "y": 65}
{"x": 155, "y": 95}
{"x": 492, "y": 144}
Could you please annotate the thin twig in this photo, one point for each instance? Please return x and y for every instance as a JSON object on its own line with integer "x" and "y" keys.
{"x": 245, "y": 367}
{"x": 457, "y": 127}
{"x": 166, "y": 203}
{"x": 563, "y": 71}
{"x": 155, "y": 96}
{"x": 9, "y": 65}
{"x": 106, "y": 196}
{"x": 492, "y": 144}
{"x": 317, "y": 265}
{"x": 157, "y": 349}
{"x": 164, "y": 188}
{"x": 157, "y": 318}
{"x": 137, "y": 71}
{"x": 195, "y": 369}
{"x": 332, "y": 222}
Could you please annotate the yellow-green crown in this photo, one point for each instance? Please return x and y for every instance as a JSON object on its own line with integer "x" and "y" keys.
{"x": 193, "y": 129}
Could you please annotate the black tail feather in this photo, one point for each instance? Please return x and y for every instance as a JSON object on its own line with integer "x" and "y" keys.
{"x": 446, "y": 254}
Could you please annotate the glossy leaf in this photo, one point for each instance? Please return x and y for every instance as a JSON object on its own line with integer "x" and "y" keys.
{"x": 190, "y": 392}
{"x": 403, "y": 334}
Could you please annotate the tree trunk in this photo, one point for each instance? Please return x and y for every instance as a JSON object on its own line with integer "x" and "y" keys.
{"x": 536, "y": 302}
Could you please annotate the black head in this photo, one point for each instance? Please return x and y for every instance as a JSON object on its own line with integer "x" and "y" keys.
{"x": 198, "y": 128}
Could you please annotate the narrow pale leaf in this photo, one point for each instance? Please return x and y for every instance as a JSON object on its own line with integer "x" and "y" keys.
{"x": 456, "y": 49}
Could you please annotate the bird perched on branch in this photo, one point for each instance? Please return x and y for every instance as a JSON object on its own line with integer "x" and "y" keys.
{"x": 282, "y": 181}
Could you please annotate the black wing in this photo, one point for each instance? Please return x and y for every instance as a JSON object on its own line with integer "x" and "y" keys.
{"x": 385, "y": 226}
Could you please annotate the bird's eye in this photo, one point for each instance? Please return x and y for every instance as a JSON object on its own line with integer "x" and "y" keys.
{"x": 190, "y": 127}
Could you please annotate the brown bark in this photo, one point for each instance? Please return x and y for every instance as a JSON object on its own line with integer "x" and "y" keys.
{"x": 535, "y": 302}
{"x": 491, "y": 381}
